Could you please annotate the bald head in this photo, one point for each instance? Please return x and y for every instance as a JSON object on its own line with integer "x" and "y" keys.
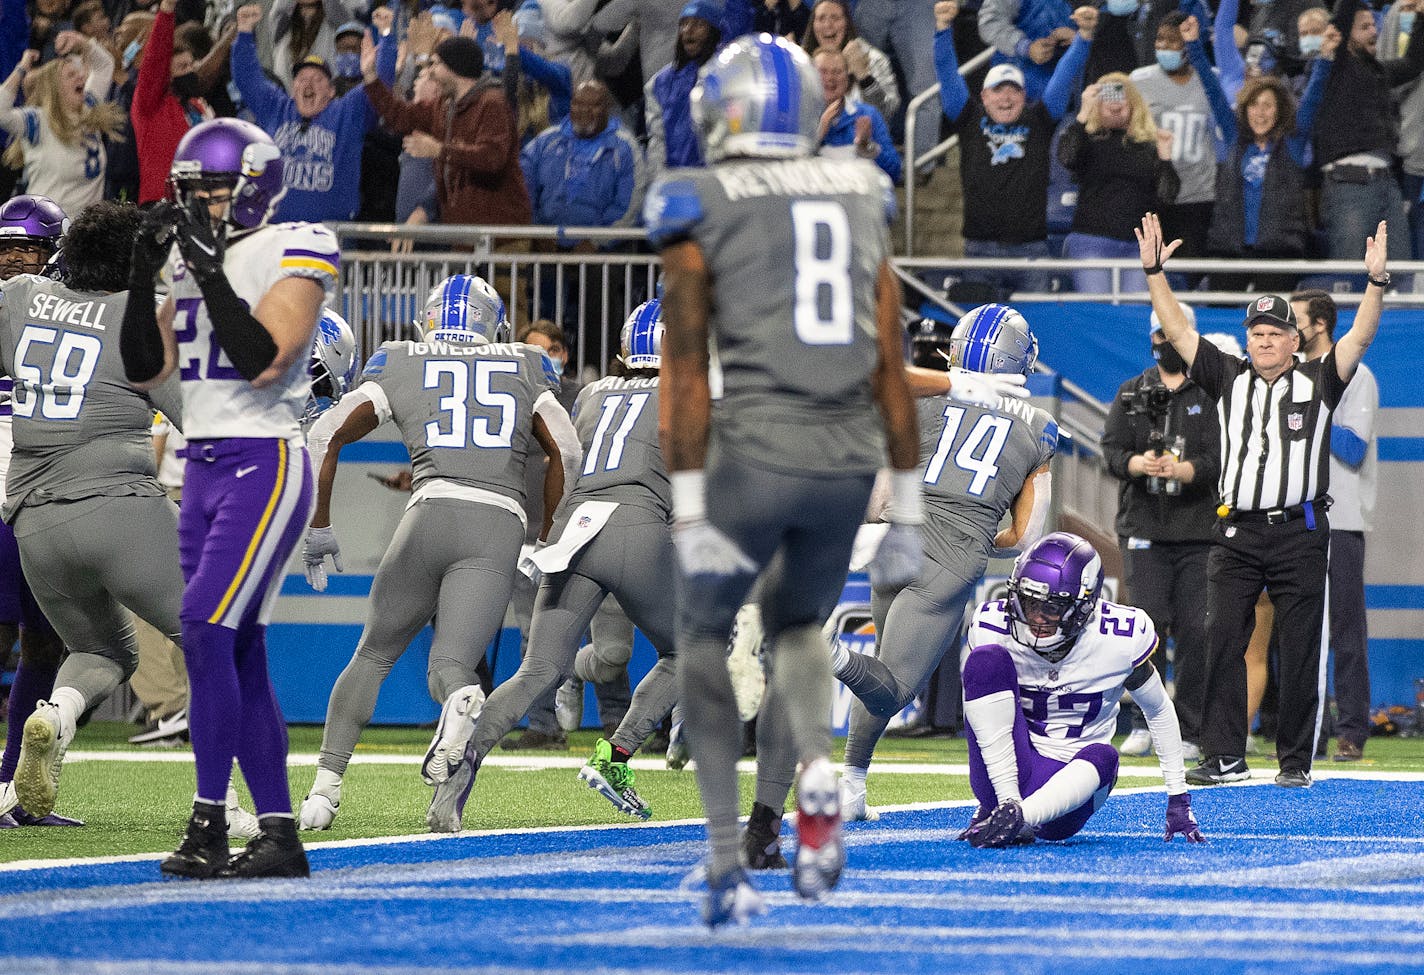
{"x": 588, "y": 112}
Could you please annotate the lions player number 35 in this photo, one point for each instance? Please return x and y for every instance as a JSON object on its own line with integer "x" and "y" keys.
{"x": 60, "y": 394}
{"x": 824, "y": 313}
{"x": 453, "y": 425}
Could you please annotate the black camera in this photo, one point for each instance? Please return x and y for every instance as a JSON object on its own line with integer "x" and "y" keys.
{"x": 1152, "y": 401}
{"x": 1155, "y": 402}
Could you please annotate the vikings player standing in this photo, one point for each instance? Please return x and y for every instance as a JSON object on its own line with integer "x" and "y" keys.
{"x": 1042, "y": 684}
{"x": 237, "y": 326}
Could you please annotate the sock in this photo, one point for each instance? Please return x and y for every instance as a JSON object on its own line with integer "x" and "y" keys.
{"x": 1069, "y": 788}
{"x": 33, "y": 683}
{"x": 71, "y": 704}
{"x": 991, "y": 721}
{"x": 214, "y": 705}
{"x": 854, "y": 776}
{"x": 840, "y": 658}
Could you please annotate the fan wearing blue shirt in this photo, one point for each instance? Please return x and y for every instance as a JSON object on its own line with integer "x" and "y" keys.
{"x": 850, "y": 128}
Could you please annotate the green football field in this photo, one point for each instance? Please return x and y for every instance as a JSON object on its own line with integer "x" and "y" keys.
{"x": 136, "y": 800}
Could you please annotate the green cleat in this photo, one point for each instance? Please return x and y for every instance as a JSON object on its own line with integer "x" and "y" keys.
{"x": 614, "y": 780}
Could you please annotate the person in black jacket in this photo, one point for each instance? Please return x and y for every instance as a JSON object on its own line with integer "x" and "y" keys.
{"x": 1162, "y": 442}
{"x": 1356, "y": 133}
{"x": 1123, "y": 165}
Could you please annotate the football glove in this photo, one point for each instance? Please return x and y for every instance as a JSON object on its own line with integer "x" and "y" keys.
{"x": 202, "y": 251}
{"x": 1180, "y": 820}
{"x": 320, "y": 543}
{"x": 899, "y": 558}
{"x": 703, "y": 550}
{"x": 154, "y": 239}
{"x": 985, "y": 388}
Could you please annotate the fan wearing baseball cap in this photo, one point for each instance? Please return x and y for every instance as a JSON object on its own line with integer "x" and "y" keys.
{"x": 1004, "y": 141}
{"x": 1273, "y": 531}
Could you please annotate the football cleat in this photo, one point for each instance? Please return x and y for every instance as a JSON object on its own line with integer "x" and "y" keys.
{"x": 744, "y": 661}
{"x": 761, "y": 839}
{"x": 8, "y": 799}
{"x": 976, "y": 823}
{"x": 1138, "y": 742}
{"x": 731, "y": 900}
{"x": 614, "y": 781}
{"x": 678, "y": 754}
{"x": 447, "y": 806}
{"x": 568, "y": 704}
{"x": 41, "y": 757}
{"x": 1219, "y": 769}
{"x": 457, "y": 724}
{"x": 820, "y": 851}
{"x": 854, "y": 807}
{"x": 1005, "y": 826}
{"x": 203, "y": 851}
{"x": 318, "y": 811}
{"x": 273, "y": 852}
{"x": 241, "y": 824}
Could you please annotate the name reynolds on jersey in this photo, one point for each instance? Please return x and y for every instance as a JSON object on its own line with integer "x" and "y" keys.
{"x": 62, "y": 311}
{"x": 799, "y": 178}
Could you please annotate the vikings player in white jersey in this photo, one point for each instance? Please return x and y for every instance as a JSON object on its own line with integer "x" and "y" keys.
{"x": 1042, "y": 684}
{"x": 237, "y": 327}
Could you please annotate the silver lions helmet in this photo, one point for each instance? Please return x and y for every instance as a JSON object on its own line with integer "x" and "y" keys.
{"x": 993, "y": 338}
{"x": 643, "y": 336}
{"x": 758, "y": 96}
{"x": 465, "y": 308}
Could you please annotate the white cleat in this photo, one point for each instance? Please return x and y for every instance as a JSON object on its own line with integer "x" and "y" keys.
{"x": 820, "y": 850}
{"x": 452, "y": 734}
{"x": 1138, "y": 742}
{"x": 8, "y": 799}
{"x": 568, "y": 704}
{"x": 744, "y": 661}
{"x": 854, "y": 808}
{"x": 41, "y": 757}
{"x": 241, "y": 824}
{"x": 318, "y": 811}
{"x": 678, "y": 754}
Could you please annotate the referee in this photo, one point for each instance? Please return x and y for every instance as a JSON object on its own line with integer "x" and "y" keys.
{"x": 1273, "y": 532}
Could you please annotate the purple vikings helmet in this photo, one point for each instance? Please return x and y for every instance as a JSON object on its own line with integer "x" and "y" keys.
{"x": 1054, "y": 587}
{"x": 334, "y": 363}
{"x": 29, "y": 221}
{"x": 993, "y": 338}
{"x": 758, "y": 96}
{"x": 228, "y": 153}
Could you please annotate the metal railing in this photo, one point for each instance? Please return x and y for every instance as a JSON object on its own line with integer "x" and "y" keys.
{"x": 913, "y": 163}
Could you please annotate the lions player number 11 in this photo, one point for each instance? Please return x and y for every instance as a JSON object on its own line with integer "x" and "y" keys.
{"x": 824, "y": 313}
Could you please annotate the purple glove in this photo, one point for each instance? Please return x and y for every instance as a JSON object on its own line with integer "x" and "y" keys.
{"x": 1181, "y": 821}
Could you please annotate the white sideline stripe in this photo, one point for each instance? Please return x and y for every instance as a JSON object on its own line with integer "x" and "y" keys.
{"x": 166, "y": 966}
{"x": 305, "y": 759}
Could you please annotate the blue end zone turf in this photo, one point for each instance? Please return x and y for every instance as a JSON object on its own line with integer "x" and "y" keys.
{"x": 1329, "y": 879}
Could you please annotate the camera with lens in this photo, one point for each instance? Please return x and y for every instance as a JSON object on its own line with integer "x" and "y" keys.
{"x": 1154, "y": 402}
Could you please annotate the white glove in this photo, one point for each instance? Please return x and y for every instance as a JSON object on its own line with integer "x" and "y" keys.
{"x": 320, "y": 543}
{"x": 985, "y": 388}
{"x": 703, "y": 550}
{"x": 899, "y": 558}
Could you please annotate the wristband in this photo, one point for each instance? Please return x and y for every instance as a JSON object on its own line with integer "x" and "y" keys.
{"x": 689, "y": 496}
{"x": 1380, "y": 282}
{"x": 1154, "y": 269}
{"x": 907, "y": 502}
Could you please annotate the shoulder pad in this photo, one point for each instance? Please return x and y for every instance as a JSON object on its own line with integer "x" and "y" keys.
{"x": 672, "y": 209}
{"x": 376, "y": 365}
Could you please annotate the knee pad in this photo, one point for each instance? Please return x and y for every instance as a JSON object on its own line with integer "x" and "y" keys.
{"x": 989, "y": 670}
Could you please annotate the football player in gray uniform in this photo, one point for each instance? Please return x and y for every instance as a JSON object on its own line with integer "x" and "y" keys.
{"x": 470, "y": 406}
{"x": 779, "y": 291}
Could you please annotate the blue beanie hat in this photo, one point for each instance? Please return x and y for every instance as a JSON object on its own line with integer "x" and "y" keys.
{"x": 708, "y": 10}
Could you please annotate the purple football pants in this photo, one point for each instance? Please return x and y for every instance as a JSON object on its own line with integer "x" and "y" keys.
{"x": 245, "y": 504}
{"x": 990, "y": 670}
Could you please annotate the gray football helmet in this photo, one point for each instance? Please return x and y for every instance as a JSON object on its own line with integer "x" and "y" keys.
{"x": 758, "y": 96}
{"x": 993, "y": 338}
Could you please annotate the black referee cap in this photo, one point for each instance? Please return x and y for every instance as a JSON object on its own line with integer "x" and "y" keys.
{"x": 1271, "y": 309}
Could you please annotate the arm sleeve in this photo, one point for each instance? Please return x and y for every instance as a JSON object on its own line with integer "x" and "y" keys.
{"x": 1223, "y": 47}
{"x": 1216, "y": 96}
{"x": 1313, "y": 95}
{"x": 556, "y": 77}
{"x": 1347, "y": 446}
{"x": 387, "y": 56}
{"x": 657, "y": 137}
{"x": 1065, "y": 78}
{"x": 996, "y": 27}
{"x": 561, "y": 428}
{"x": 953, "y": 92}
{"x": 1401, "y": 71}
{"x": 319, "y": 436}
{"x": 529, "y": 166}
{"x": 1152, "y": 698}
{"x": 1354, "y": 420}
{"x": 267, "y": 100}
{"x": 155, "y": 65}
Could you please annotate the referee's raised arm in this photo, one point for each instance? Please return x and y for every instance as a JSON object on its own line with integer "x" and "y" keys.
{"x": 1350, "y": 348}
{"x": 1154, "y": 252}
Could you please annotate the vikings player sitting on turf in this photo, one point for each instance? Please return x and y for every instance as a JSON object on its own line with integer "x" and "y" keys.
{"x": 1046, "y": 670}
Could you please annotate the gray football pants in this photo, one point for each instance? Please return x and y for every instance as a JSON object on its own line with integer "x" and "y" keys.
{"x": 811, "y": 520}
{"x": 632, "y": 558}
{"x": 452, "y": 560}
{"x": 85, "y": 561}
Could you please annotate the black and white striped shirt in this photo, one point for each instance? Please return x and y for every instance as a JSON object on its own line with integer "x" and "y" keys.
{"x": 1275, "y": 437}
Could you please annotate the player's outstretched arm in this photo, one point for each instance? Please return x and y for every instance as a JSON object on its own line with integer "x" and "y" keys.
{"x": 1150, "y": 694}
{"x": 146, "y": 343}
{"x": 1155, "y": 252}
{"x": 346, "y": 422}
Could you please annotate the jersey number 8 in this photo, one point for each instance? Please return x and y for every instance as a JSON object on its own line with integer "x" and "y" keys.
{"x": 824, "y": 312}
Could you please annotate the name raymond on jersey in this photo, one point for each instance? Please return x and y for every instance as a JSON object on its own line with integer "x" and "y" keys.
{"x": 62, "y": 311}
{"x": 802, "y": 177}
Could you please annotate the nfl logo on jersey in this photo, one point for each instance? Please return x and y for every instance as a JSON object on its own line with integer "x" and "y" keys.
{"x": 584, "y": 521}
{"x": 1295, "y": 420}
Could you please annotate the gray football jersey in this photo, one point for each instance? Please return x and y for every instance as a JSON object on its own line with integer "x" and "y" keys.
{"x": 466, "y": 411}
{"x": 80, "y": 429}
{"x": 794, "y": 249}
{"x": 617, "y": 423}
{"x": 973, "y": 463}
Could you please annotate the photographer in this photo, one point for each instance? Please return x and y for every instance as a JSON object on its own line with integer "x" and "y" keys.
{"x": 1162, "y": 442}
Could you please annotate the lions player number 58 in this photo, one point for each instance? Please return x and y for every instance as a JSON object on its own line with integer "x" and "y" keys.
{"x": 60, "y": 394}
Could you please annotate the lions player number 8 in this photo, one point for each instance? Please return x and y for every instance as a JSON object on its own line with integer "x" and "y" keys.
{"x": 820, "y": 227}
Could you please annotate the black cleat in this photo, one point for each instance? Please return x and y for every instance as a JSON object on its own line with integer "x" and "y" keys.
{"x": 203, "y": 852}
{"x": 1293, "y": 778}
{"x": 274, "y": 852}
{"x": 1219, "y": 769}
{"x": 761, "y": 839}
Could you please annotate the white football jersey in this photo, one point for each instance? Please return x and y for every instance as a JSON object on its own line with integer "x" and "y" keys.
{"x": 217, "y": 401}
{"x": 1073, "y": 702}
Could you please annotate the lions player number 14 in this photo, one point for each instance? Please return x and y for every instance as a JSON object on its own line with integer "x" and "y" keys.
{"x": 824, "y": 313}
